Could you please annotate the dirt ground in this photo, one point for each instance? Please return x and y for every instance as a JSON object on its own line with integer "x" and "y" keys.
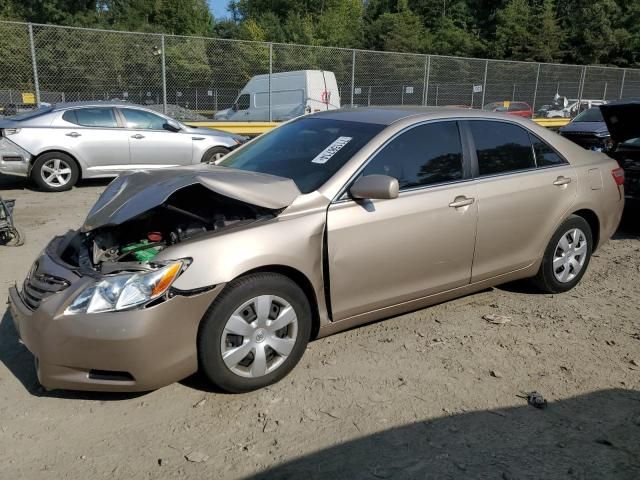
{"x": 431, "y": 394}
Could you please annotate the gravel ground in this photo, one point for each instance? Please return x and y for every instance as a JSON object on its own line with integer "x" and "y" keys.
{"x": 432, "y": 394}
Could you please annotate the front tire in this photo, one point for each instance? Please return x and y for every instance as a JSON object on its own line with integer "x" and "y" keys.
{"x": 55, "y": 172}
{"x": 214, "y": 154}
{"x": 255, "y": 332}
{"x": 567, "y": 256}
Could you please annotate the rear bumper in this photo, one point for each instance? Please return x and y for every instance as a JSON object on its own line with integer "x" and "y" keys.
{"x": 155, "y": 346}
{"x": 13, "y": 159}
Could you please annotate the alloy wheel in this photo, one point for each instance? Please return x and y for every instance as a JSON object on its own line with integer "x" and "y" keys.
{"x": 56, "y": 172}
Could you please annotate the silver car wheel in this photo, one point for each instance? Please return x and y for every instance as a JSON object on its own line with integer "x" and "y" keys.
{"x": 259, "y": 336}
{"x": 56, "y": 172}
{"x": 570, "y": 255}
{"x": 218, "y": 156}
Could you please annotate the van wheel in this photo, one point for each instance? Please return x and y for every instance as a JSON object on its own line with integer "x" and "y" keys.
{"x": 55, "y": 172}
{"x": 566, "y": 257}
{"x": 255, "y": 332}
{"x": 214, "y": 154}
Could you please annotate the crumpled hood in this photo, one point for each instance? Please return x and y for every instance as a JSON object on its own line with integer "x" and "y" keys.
{"x": 622, "y": 119}
{"x": 134, "y": 193}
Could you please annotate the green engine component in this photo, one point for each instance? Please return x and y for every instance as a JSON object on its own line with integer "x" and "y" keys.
{"x": 140, "y": 252}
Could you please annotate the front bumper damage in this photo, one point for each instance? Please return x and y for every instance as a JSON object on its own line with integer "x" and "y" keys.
{"x": 14, "y": 160}
{"x": 135, "y": 350}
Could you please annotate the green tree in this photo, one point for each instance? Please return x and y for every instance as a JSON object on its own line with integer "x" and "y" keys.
{"x": 547, "y": 37}
{"x": 401, "y": 31}
{"x": 514, "y": 36}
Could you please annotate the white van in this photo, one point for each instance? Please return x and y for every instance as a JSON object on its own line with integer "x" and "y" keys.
{"x": 292, "y": 94}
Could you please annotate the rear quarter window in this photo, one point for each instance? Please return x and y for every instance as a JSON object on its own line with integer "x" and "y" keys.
{"x": 546, "y": 156}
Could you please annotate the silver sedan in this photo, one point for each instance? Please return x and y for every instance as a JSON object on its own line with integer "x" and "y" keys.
{"x": 57, "y": 145}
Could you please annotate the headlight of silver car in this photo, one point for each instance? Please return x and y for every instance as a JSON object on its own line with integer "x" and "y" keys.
{"x": 126, "y": 291}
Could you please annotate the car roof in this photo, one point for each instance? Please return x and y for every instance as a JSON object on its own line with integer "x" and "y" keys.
{"x": 94, "y": 103}
{"x": 392, "y": 114}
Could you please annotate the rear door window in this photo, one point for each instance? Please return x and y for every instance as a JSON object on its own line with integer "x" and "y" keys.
{"x": 501, "y": 147}
{"x": 101, "y": 117}
{"x": 142, "y": 120}
{"x": 425, "y": 155}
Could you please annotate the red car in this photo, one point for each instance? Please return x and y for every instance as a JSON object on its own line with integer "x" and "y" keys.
{"x": 521, "y": 109}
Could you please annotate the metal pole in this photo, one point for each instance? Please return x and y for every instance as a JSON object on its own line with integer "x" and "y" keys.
{"x": 437, "y": 93}
{"x": 425, "y": 84}
{"x": 624, "y": 74}
{"x": 270, "y": 73}
{"x": 34, "y": 65}
{"x": 535, "y": 92}
{"x": 604, "y": 95}
{"x": 215, "y": 99}
{"x": 484, "y": 84}
{"x": 513, "y": 95}
{"x": 196, "y": 99}
{"x": 402, "y": 96}
{"x": 353, "y": 74}
{"x": 164, "y": 77}
{"x": 581, "y": 87}
{"x": 369, "y": 97}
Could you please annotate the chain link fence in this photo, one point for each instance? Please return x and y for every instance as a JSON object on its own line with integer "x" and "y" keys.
{"x": 192, "y": 78}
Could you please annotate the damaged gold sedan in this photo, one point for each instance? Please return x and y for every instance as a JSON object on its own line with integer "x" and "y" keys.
{"x": 329, "y": 221}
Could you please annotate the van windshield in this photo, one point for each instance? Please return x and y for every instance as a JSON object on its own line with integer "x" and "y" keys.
{"x": 308, "y": 151}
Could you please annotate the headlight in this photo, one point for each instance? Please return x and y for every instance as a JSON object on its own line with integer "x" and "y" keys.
{"x": 125, "y": 291}
{"x": 602, "y": 134}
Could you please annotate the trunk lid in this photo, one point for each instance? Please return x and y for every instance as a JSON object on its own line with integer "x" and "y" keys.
{"x": 622, "y": 120}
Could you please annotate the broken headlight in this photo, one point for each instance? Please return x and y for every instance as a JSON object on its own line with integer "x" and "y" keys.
{"x": 125, "y": 291}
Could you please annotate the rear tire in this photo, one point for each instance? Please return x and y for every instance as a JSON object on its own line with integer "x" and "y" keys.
{"x": 55, "y": 172}
{"x": 567, "y": 256}
{"x": 214, "y": 154}
{"x": 254, "y": 333}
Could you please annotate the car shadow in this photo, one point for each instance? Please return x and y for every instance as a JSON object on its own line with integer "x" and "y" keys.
{"x": 20, "y": 362}
{"x": 596, "y": 435}
{"x": 9, "y": 182}
{"x": 629, "y": 228}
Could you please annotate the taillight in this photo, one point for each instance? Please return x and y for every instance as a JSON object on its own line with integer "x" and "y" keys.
{"x": 618, "y": 176}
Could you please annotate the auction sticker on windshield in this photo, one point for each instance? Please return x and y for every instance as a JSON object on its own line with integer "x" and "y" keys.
{"x": 325, "y": 155}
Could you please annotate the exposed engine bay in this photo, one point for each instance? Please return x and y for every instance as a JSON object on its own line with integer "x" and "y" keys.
{"x": 186, "y": 214}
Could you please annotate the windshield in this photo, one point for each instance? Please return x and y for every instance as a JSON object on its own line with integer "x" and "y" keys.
{"x": 592, "y": 115}
{"x": 31, "y": 114}
{"x": 308, "y": 151}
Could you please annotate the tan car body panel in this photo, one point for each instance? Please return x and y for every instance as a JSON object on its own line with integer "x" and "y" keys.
{"x": 376, "y": 267}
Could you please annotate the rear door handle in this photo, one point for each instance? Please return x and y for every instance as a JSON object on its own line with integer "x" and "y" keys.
{"x": 73, "y": 134}
{"x": 137, "y": 136}
{"x": 562, "y": 181}
{"x": 462, "y": 201}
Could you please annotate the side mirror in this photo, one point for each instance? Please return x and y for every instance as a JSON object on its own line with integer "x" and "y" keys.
{"x": 375, "y": 187}
{"x": 171, "y": 126}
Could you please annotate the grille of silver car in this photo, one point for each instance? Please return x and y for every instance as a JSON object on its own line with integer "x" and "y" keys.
{"x": 39, "y": 286}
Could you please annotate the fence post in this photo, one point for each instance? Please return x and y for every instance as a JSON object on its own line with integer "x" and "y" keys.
{"x": 425, "y": 84}
{"x": 581, "y": 87}
{"x": 270, "y": 73}
{"x": 624, "y": 74}
{"x": 535, "y": 92}
{"x": 484, "y": 84}
{"x": 164, "y": 76}
{"x": 34, "y": 65}
{"x": 353, "y": 74}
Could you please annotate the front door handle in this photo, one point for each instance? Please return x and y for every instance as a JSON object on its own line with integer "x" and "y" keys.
{"x": 73, "y": 134}
{"x": 137, "y": 136}
{"x": 461, "y": 201}
{"x": 562, "y": 181}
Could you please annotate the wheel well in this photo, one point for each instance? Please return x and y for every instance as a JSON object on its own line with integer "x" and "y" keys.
{"x": 593, "y": 221}
{"x": 36, "y": 157}
{"x": 303, "y": 282}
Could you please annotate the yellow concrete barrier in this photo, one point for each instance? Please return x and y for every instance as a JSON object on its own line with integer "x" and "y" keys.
{"x": 552, "y": 122}
{"x": 258, "y": 128}
{"x": 240, "y": 128}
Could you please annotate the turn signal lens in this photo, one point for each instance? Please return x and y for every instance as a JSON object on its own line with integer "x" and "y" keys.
{"x": 169, "y": 274}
